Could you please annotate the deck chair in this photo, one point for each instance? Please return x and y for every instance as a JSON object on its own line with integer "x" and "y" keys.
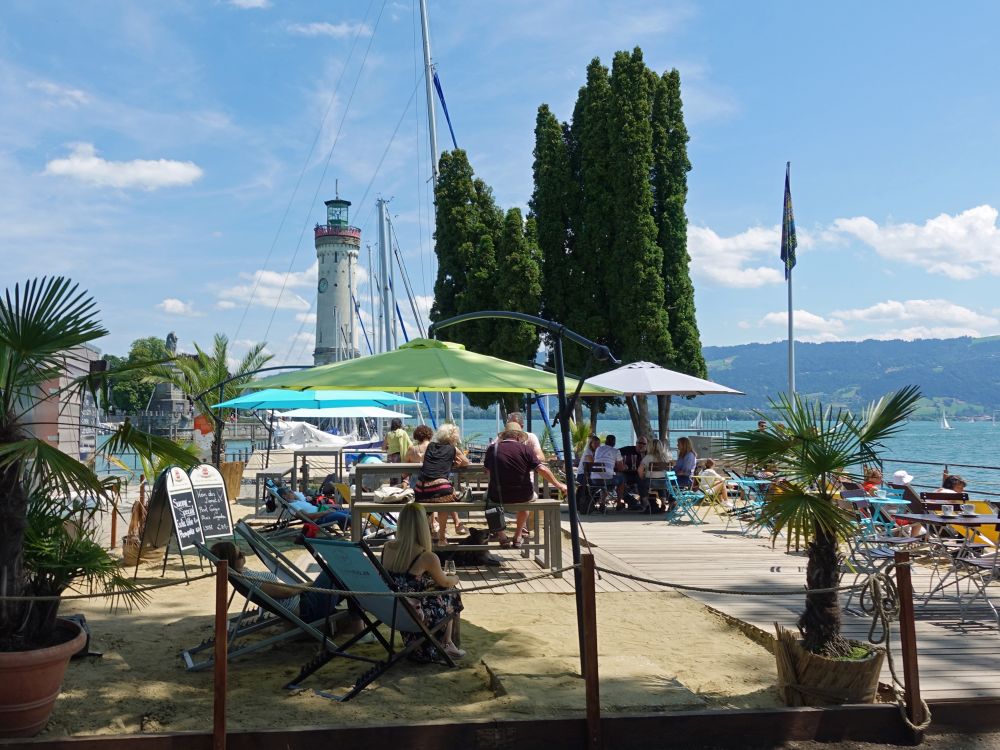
{"x": 354, "y": 568}
{"x": 260, "y": 612}
{"x": 273, "y": 559}
{"x": 291, "y": 519}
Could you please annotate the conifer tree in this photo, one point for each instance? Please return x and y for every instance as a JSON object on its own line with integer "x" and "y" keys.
{"x": 635, "y": 288}
{"x": 593, "y": 223}
{"x": 519, "y": 289}
{"x": 551, "y": 210}
{"x": 670, "y": 170}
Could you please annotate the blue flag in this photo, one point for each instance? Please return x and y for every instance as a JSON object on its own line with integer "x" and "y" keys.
{"x": 788, "y": 241}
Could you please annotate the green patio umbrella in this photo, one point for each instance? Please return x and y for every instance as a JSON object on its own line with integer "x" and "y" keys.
{"x": 427, "y": 365}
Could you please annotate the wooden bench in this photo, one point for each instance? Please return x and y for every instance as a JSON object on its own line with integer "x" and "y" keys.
{"x": 545, "y": 543}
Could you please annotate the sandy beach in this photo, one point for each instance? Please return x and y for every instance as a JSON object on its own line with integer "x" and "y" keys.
{"x": 658, "y": 651}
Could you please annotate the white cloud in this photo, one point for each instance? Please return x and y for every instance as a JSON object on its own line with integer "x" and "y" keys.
{"x": 335, "y": 30}
{"x": 271, "y": 289}
{"x": 730, "y": 261}
{"x": 224, "y": 304}
{"x": 309, "y": 317}
{"x": 924, "y": 332}
{"x": 936, "y": 311}
{"x": 250, "y": 4}
{"x": 61, "y": 95}
{"x": 85, "y": 165}
{"x": 174, "y": 306}
{"x": 961, "y": 247}
{"x": 804, "y": 321}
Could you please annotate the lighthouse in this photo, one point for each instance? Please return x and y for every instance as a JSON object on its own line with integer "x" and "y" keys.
{"x": 337, "y": 248}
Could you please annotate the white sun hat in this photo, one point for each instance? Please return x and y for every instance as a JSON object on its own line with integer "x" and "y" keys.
{"x": 901, "y": 477}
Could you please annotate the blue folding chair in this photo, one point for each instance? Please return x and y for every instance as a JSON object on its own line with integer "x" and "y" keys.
{"x": 684, "y": 507}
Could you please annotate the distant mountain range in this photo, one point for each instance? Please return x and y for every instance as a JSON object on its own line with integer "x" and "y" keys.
{"x": 960, "y": 375}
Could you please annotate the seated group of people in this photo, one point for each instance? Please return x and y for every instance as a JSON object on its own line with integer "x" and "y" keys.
{"x": 635, "y": 465}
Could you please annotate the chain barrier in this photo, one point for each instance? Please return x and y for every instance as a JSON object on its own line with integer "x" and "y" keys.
{"x": 302, "y": 588}
{"x": 729, "y": 592}
{"x": 129, "y": 592}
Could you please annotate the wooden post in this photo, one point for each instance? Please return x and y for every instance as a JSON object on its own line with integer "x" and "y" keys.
{"x": 221, "y": 656}
{"x": 590, "y": 676}
{"x": 114, "y": 522}
{"x": 908, "y": 641}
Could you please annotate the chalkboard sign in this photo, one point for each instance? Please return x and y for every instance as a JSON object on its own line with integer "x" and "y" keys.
{"x": 211, "y": 501}
{"x": 183, "y": 508}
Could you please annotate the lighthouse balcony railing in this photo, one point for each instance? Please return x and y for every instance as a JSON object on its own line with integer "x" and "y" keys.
{"x": 328, "y": 230}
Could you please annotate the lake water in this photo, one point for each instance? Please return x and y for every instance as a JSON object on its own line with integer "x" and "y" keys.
{"x": 975, "y": 443}
{"x": 922, "y": 448}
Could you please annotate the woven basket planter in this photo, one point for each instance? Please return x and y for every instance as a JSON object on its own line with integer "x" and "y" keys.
{"x": 807, "y": 679}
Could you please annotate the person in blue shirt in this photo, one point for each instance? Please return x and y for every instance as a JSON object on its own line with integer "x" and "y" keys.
{"x": 687, "y": 462}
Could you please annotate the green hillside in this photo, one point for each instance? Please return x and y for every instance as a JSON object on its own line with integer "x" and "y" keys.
{"x": 962, "y": 375}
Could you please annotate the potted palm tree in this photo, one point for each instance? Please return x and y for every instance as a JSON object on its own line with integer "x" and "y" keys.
{"x": 48, "y": 499}
{"x": 810, "y": 449}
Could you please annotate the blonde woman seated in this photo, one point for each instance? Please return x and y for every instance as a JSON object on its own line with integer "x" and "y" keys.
{"x": 410, "y": 561}
{"x": 656, "y": 453}
{"x": 433, "y": 484}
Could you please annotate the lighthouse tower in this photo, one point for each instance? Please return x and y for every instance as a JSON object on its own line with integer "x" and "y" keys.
{"x": 337, "y": 247}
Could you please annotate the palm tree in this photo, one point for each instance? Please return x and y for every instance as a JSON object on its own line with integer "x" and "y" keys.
{"x": 45, "y": 542}
{"x": 811, "y": 448}
{"x": 206, "y": 379}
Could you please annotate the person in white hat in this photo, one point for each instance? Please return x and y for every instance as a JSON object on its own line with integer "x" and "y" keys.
{"x": 902, "y": 477}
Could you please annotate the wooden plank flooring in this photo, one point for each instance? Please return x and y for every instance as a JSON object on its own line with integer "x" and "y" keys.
{"x": 957, "y": 660}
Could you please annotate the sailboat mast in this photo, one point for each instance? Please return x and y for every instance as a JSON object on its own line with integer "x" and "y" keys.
{"x": 429, "y": 82}
{"x": 383, "y": 256}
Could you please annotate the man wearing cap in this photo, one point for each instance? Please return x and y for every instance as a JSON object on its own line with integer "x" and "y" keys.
{"x": 515, "y": 421}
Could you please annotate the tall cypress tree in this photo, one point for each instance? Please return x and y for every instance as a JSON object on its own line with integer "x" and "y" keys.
{"x": 519, "y": 289}
{"x": 551, "y": 207}
{"x": 641, "y": 328}
{"x": 670, "y": 138}
{"x": 456, "y": 222}
{"x": 594, "y": 222}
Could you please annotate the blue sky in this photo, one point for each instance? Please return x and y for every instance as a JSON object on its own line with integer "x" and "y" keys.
{"x": 162, "y": 154}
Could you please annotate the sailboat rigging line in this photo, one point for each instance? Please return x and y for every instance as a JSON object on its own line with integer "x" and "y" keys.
{"x": 326, "y": 167}
{"x": 421, "y": 205}
{"x": 423, "y": 394}
{"x": 406, "y": 280}
{"x": 392, "y": 139}
{"x": 361, "y": 323}
{"x": 302, "y": 172}
{"x": 444, "y": 106}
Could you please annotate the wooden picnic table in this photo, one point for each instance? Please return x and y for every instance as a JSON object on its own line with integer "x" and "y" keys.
{"x": 545, "y": 537}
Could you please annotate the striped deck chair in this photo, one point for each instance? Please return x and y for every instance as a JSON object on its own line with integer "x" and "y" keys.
{"x": 353, "y": 567}
{"x": 260, "y": 612}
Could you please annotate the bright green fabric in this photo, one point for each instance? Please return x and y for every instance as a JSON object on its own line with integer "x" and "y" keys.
{"x": 426, "y": 365}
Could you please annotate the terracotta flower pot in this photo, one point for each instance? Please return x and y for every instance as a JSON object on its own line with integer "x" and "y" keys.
{"x": 30, "y": 682}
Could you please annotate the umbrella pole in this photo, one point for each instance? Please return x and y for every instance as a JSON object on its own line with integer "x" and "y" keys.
{"x": 574, "y": 518}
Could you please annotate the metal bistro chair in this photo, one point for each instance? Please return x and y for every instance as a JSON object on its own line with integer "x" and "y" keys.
{"x": 598, "y": 491}
{"x": 685, "y": 502}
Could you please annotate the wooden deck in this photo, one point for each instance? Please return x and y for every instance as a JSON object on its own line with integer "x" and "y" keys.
{"x": 957, "y": 660}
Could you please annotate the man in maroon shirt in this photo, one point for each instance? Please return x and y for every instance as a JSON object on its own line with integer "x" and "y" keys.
{"x": 509, "y": 462}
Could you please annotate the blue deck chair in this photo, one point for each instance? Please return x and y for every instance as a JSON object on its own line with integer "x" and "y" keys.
{"x": 685, "y": 502}
{"x": 290, "y": 518}
{"x": 260, "y": 612}
{"x": 353, "y": 567}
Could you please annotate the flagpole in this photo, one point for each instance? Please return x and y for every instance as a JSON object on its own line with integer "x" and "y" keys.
{"x": 788, "y": 244}
{"x": 791, "y": 338}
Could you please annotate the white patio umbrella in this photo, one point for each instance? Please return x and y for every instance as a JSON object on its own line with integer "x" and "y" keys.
{"x": 647, "y": 379}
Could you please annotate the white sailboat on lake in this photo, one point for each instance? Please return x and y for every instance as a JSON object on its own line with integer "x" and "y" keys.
{"x": 944, "y": 421}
